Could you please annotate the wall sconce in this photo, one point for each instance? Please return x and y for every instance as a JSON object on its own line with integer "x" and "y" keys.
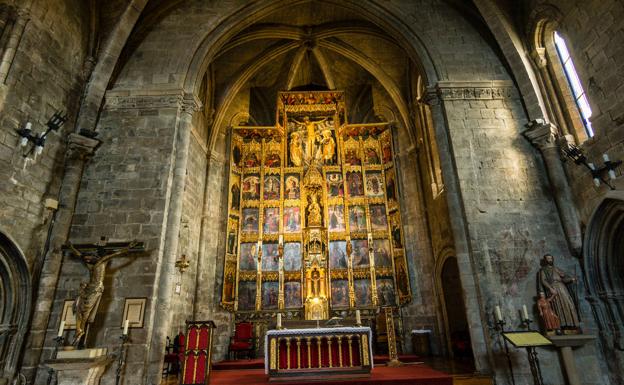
{"x": 574, "y": 153}
{"x": 38, "y": 140}
{"x": 182, "y": 264}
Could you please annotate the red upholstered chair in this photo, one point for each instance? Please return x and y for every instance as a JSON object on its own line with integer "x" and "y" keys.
{"x": 243, "y": 340}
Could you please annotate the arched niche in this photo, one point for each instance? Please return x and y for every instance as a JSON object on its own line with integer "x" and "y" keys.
{"x": 15, "y": 303}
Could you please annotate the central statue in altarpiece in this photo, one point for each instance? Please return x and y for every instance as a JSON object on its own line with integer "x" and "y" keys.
{"x": 314, "y": 227}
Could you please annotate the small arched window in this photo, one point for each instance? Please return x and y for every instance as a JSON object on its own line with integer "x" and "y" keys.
{"x": 578, "y": 93}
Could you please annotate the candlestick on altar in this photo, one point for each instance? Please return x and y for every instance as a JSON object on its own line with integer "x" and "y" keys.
{"x": 358, "y": 318}
{"x": 279, "y": 320}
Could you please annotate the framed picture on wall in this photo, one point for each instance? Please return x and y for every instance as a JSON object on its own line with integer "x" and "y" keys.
{"x": 67, "y": 315}
{"x": 134, "y": 311}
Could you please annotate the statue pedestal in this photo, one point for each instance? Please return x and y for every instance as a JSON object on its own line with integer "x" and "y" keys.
{"x": 80, "y": 366}
{"x": 565, "y": 344}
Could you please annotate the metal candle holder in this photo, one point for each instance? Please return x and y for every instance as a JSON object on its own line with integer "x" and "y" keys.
{"x": 58, "y": 342}
{"x": 121, "y": 360}
{"x": 501, "y": 329}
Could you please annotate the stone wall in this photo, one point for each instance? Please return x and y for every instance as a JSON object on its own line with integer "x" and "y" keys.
{"x": 41, "y": 79}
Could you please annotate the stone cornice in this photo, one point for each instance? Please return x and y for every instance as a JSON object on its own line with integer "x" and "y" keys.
{"x": 152, "y": 99}
{"x": 80, "y": 146}
{"x": 476, "y": 90}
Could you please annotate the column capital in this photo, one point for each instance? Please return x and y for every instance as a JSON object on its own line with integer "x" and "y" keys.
{"x": 81, "y": 146}
{"x": 190, "y": 103}
{"x": 541, "y": 134}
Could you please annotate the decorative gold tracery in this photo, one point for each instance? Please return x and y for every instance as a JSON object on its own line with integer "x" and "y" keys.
{"x": 313, "y": 219}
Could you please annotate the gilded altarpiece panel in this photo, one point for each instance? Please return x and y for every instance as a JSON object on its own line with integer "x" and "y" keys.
{"x": 313, "y": 215}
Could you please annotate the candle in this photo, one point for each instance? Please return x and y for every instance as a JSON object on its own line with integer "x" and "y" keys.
{"x": 61, "y": 329}
{"x": 259, "y": 245}
{"x": 279, "y": 320}
{"x": 281, "y": 239}
{"x": 525, "y": 313}
{"x": 125, "y": 328}
{"x": 499, "y": 315}
{"x": 358, "y": 319}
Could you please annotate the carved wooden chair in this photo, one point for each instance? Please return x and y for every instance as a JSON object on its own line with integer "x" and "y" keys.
{"x": 243, "y": 341}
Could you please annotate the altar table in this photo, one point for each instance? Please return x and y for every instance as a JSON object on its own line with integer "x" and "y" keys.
{"x": 318, "y": 351}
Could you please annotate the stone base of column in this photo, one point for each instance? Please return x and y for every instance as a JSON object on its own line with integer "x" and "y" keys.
{"x": 80, "y": 366}
{"x": 565, "y": 344}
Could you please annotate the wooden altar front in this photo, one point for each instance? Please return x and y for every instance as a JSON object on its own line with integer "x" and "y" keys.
{"x": 338, "y": 351}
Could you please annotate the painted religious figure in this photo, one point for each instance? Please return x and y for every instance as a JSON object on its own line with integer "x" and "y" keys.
{"x": 270, "y": 291}
{"x": 362, "y": 290}
{"x": 355, "y": 184}
{"x": 338, "y": 254}
{"x": 395, "y": 228}
{"x": 272, "y": 160}
{"x": 386, "y": 149}
{"x": 292, "y": 256}
{"x": 554, "y": 283}
{"x": 296, "y": 149}
{"x": 248, "y": 257}
{"x": 271, "y": 187}
{"x": 371, "y": 155}
{"x": 271, "y": 220}
{"x": 360, "y": 253}
{"x": 231, "y": 243}
{"x": 251, "y": 187}
{"x": 250, "y": 220}
{"x": 229, "y": 284}
{"x": 390, "y": 187}
{"x": 291, "y": 187}
{"x": 549, "y": 318}
{"x": 335, "y": 185}
{"x": 401, "y": 277}
{"x": 235, "y": 193}
{"x": 292, "y": 294}
{"x": 340, "y": 293}
{"x": 357, "y": 218}
{"x": 381, "y": 249}
{"x": 336, "y": 218}
{"x": 252, "y": 160}
{"x": 237, "y": 155}
{"x": 379, "y": 221}
{"x": 374, "y": 184}
{"x": 352, "y": 157}
{"x": 385, "y": 292}
{"x": 270, "y": 257}
{"x": 247, "y": 295}
{"x": 292, "y": 219}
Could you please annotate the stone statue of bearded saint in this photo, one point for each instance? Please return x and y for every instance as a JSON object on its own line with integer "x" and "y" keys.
{"x": 86, "y": 304}
{"x": 553, "y": 282}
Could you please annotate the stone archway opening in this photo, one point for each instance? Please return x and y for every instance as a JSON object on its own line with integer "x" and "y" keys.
{"x": 14, "y": 306}
{"x": 456, "y": 321}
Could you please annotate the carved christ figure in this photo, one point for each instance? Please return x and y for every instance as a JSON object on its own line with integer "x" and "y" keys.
{"x": 310, "y": 129}
{"x": 86, "y": 305}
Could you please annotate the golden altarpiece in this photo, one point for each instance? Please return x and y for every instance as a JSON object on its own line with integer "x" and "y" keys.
{"x": 314, "y": 227}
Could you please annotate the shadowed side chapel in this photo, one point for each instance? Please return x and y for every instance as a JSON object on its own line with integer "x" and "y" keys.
{"x": 407, "y": 192}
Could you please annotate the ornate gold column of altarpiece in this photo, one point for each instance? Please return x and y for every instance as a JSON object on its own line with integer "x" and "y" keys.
{"x": 313, "y": 223}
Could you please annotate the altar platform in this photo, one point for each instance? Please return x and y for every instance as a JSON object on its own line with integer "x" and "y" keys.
{"x": 409, "y": 374}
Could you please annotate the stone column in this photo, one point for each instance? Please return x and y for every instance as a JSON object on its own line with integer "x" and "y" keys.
{"x": 14, "y": 39}
{"x": 167, "y": 271}
{"x": 211, "y": 233}
{"x": 79, "y": 150}
{"x": 543, "y": 136}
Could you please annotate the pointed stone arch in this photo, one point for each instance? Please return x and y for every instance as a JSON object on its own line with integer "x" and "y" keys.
{"x": 15, "y": 305}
